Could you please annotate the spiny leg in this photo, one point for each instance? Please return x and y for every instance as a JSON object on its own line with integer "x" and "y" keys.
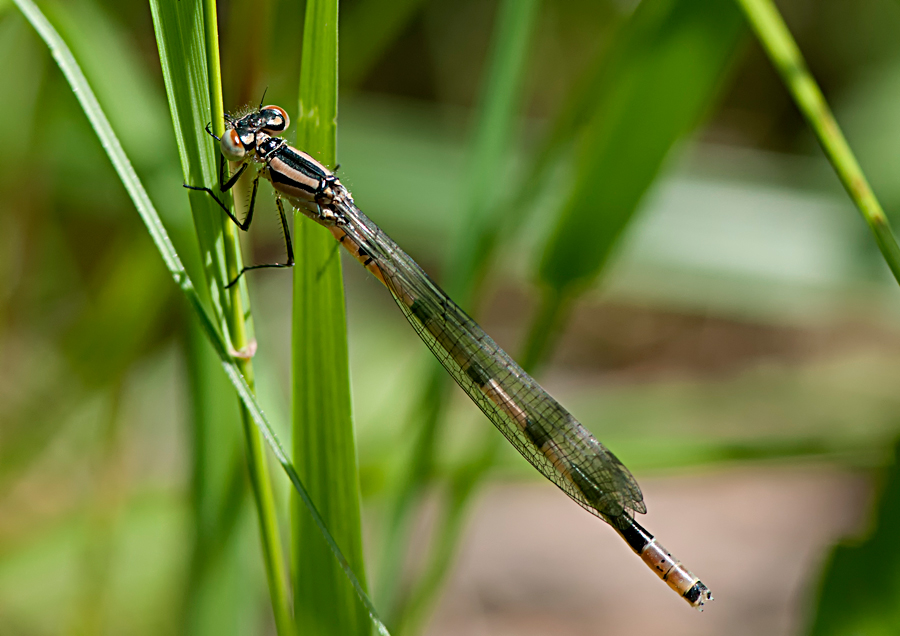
{"x": 288, "y": 246}
{"x": 285, "y": 229}
{"x": 224, "y": 185}
{"x": 246, "y": 224}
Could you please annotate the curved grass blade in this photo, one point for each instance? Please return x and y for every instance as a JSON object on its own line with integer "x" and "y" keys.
{"x": 859, "y": 592}
{"x": 369, "y": 28}
{"x": 785, "y": 55}
{"x": 151, "y": 219}
{"x": 659, "y": 79}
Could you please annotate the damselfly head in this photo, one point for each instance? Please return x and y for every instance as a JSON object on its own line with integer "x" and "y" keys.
{"x": 272, "y": 120}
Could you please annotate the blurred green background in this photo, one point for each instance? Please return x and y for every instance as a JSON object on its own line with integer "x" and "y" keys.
{"x": 670, "y": 249}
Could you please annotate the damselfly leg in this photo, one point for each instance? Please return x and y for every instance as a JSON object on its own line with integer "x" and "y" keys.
{"x": 287, "y": 243}
{"x": 225, "y": 188}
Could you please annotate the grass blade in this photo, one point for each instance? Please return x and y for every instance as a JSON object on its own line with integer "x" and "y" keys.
{"x": 859, "y": 591}
{"x": 782, "y": 50}
{"x": 215, "y": 599}
{"x": 369, "y": 28}
{"x": 323, "y": 435}
{"x": 659, "y": 79}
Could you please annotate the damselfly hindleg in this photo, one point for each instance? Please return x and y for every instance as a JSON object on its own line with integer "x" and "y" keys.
{"x": 287, "y": 244}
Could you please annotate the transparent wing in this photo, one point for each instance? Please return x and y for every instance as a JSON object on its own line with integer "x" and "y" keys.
{"x": 545, "y": 433}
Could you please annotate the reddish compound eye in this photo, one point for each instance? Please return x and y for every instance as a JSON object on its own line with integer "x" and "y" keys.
{"x": 275, "y": 119}
{"x": 233, "y": 146}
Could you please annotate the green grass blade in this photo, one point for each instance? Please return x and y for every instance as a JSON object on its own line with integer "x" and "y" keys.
{"x": 184, "y": 72}
{"x": 158, "y": 234}
{"x": 215, "y": 598}
{"x": 860, "y": 593}
{"x": 500, "y": 104}
{"x": 660, "y": 77}
{"x": 369, "y": 27}
{"x": 782, "y": 50}
{"x": 323, "y": 436}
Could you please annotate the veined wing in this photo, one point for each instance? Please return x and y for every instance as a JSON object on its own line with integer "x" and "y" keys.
{"x": 537, "y": 425}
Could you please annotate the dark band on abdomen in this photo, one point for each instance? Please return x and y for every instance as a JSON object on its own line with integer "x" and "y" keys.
{"x": 476, "y": 373}
{"x": 536, "y": 433}
{"x": 636, "y": 536}
{"x": 420, "y": 311}
{"x": 588, "y": 487}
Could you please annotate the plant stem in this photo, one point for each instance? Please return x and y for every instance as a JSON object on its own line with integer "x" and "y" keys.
{"x": 257, "y": 467}
{"x": 782, "y": 50}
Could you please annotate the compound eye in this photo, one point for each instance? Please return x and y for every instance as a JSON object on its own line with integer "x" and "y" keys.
{"x": 276, "y": 119}
{"x": 233, "y": 146}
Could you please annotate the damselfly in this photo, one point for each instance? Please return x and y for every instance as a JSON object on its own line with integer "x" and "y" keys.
{"x": 541, "y": 430}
